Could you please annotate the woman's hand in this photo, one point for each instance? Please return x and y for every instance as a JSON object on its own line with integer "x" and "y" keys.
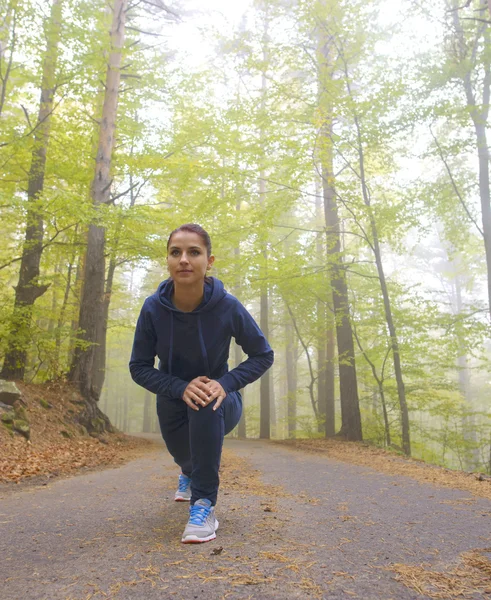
{"x": 203, "y": 390}
{"x": 197, "y": 393}
{"x": 217, "y": 392}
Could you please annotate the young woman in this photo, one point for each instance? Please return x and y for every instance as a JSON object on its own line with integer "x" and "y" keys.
{"x": 188, "y": 323}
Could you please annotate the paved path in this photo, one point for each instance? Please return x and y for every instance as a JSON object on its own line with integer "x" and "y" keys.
{"x": 292, "y": 525}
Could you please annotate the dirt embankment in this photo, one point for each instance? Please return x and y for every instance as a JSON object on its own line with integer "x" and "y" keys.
{"x": 57, "y": 443}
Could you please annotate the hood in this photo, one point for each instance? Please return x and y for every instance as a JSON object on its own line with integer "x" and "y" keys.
{"x": 214, "y": 292}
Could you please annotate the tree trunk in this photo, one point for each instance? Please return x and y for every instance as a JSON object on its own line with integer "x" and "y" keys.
{"x": 242, "y": 428}
{"x": 350, "y": 408}
{"x": 322, "y": 399}
{"x": 272, "y": 404}
{"x": 479, "y": 112}
{"x": 330, "y": 378}
{"x": 394, "y": 342}
{"x": 147, "y": 412}
{"x": 87, "y": 372}
{"x": 126, "y": 426}
{"x": 265, "y": 399}
{"x": 309, "y": 362}
{"x": 265, "y": 386}
{"x": 61, "y": 316}
{"x": 469, "y": 421}
{"x": 28, "y": 288}
{"x": 291, "y": 377}
{"x": 7, "y": 37}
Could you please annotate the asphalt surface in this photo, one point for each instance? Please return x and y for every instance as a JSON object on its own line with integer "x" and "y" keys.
{"x": 292, "y": 525}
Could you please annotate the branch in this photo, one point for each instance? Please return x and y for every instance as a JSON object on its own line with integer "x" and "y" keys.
{"x": 454, "y": 185}
{"x": 466, "y": 5}
{"x": 144, "y": 32}
{"x": 113, "y": 199}
{"x": 312, "y": 377}
{"x": 27, "y": 116}
{"x": 33, "y": 129}
{"x": 476, "y": 19}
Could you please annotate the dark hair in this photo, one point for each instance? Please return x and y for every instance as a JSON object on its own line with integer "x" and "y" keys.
{"x": 193, "y": 228}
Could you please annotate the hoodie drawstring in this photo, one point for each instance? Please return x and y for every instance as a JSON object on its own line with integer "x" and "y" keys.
{"x": 171, "y": 344}
{"x": 203, "y": 347}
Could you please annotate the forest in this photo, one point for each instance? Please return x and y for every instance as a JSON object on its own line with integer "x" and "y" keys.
{"x": 335, "y": 150}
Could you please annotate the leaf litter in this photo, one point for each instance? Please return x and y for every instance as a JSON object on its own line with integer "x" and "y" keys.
{"x": 50, "y": 452}
{"x": 472, "y": 575}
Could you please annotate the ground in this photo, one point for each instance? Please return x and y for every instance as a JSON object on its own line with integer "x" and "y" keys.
{"x": 292, "y": 525}
{"x": 305, "y": 519}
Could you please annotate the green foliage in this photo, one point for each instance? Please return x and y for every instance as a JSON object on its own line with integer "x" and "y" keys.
{"x": 233, "y": 144}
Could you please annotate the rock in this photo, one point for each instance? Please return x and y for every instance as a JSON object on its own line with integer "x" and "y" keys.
{"x": 22, "y": 427}
{"x": 75, "y": 399}
{"x": 9, "y": 392}
{"x": 66, "y": 434}
{"x": 7, "y": 417}
{"x": 20, "y": 413}
{"x": 44, "y": 403}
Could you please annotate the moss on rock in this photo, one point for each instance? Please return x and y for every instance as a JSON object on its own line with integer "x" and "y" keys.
{"x": 22, "y": 427}
{"x": 44, "y": 403}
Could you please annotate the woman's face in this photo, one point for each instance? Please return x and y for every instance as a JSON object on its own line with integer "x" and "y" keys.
{"x": 187, "y": 259}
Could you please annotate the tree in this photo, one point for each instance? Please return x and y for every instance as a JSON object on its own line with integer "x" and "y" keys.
{"x": 92, "y": 306}
{"x": 350, "y": 410}
{"x": 29, "y": 288}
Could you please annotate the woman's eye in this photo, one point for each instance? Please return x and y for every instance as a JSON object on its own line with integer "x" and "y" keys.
{"x": 195, "y": 252}
{"x": 174, "y": 252}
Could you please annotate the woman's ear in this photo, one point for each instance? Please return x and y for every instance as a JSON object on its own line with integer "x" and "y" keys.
{"x": 211, "y": 260}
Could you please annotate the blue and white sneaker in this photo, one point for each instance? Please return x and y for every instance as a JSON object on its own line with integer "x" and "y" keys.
{"x": 202, "y": 523}
{"x": 183, "y": 493}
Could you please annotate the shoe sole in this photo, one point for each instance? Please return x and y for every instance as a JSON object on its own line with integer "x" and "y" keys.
{"x": 194, "y": 539}
{"x": 181, "y": 499}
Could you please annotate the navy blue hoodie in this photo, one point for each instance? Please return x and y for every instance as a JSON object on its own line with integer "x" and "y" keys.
{"x": 190, "y": 344}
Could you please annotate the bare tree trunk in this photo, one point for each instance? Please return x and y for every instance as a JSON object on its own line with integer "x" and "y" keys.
{"x": 469, "y": 421}
{"x": 350, "y": 408}
{"x": 147, "y": 412}
{"x": 309, "y": 362}
{"x": 322, "y": 384}
{"x": 330, "y": 429}
{"x": 265, "y": 399}
{"x": 242, "y": 427}
{"x": 479, "y": 112}
{"x": 8, "y": 38}
{"x": 28, "y": 288}
{"x": 64, "y": 305}
{"x": 92, "y": 309}
{"x": 265, "y": 386}
{"x": 126, "y": 426}
{"x": 380, "y": 386}
{"x": 272, "y": 404}
{"x": 394, "y": 342}
{"x": 291, "y": 377}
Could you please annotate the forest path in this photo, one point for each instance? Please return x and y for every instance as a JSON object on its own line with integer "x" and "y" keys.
{"x": 292, "y": 525}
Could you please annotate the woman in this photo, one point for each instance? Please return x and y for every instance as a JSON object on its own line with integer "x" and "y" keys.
{"x": 188, "y": 323}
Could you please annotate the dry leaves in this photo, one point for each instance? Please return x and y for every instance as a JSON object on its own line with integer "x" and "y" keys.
{"x": 58, "y": 445}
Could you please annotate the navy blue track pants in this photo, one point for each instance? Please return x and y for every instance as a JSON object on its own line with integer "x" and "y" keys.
{"x": 194, "y": 438}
